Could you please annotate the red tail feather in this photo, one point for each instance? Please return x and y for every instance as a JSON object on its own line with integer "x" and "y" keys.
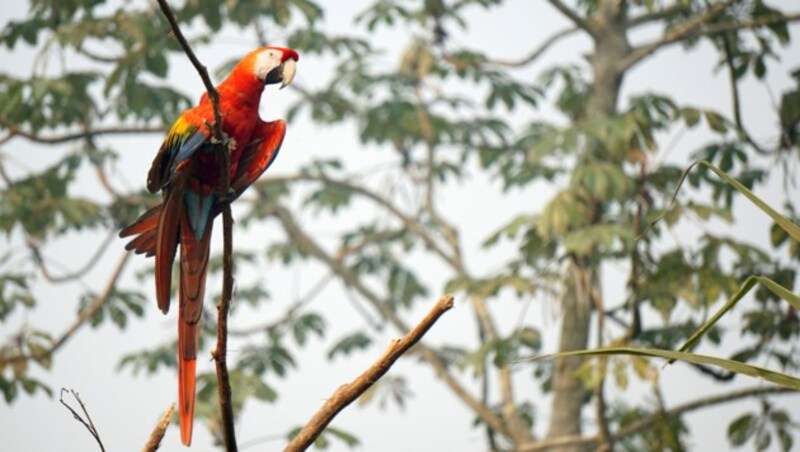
{"x": 194, "y": 266}
{"x": 186, "y": 381}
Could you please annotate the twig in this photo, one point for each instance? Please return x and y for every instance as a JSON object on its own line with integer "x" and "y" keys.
{"x": 38, "y": 259}
{"x": 727, "y": 47}
{"x": 679, "y": 33}
{"x": 290, "y": 313}
{"x": 579, "y": 21}
{"x": 347, "y": 393}
{"x": 85, "y": 422}
{"x": 543, "y": 47}
{"x": 664, "y": 13}
{"x": 648, "y": 421}
{"x": 487, "y": 328}
{"x": 158, "y": 433}
{"x": 14, "y": 131}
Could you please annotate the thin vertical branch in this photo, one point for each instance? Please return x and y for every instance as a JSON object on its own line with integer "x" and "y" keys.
{"x": 224, "y": 146}
{"x": 727, "y": 46}
{"x": 220, "y": 353}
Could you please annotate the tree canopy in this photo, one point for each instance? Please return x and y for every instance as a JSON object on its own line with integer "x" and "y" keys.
{"x": 520, "y": 155}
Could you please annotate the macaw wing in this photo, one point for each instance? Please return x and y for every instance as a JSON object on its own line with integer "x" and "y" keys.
{"x": 258, "y": 154}
{"x": 183, "y": 140}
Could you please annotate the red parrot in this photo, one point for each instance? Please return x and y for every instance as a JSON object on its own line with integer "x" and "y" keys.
{"x": 187, "y": 171}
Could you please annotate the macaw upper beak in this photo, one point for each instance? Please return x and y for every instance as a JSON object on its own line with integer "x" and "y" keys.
{"x": 283, "y": 74}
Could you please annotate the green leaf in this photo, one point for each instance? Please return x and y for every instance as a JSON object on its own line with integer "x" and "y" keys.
{"x": 741, "y": 429}
{"x": 716, "y": 121}
{"x": 348, "y": 438}
{"x": 733, "y": 366}
{"x": 749, "y": 283}
{"x": 784, "y": 223}
{"x": 349, "y": 343}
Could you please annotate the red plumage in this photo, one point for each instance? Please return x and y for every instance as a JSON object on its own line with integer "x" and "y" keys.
{"x": 187, "y": 171}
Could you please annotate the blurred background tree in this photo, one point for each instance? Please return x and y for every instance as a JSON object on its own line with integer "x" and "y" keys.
{"x": 447, "y": 138}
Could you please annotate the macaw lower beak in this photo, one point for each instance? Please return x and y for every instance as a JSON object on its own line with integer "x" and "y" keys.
{"x": 283, "y": 74}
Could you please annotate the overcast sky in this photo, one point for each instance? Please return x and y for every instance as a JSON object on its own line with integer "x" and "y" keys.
{"x": 125, "y": 408}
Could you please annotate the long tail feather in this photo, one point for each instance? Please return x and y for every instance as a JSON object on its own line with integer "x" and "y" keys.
{"x": 167, "y": 244}
{"x": 194, "y": 266}
{"x": 187, "y": 333}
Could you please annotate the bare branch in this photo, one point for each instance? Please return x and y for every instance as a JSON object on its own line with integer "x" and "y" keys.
{"x": 649, "y": 421}
{"x": 539, "y": 51}
{"x": 158, "y": 432}
{"x": 14, "y": 132}
{"x": 516, "y": 425}
{"x": 87, "y": 422}
{"x": 290, "y": 313}
{"x": 661, "y": 14}
{"x": 755, "y": 23}
{"x": 346, "y": 394}
{"x": 578, "y": 20}
{"x": 677, "y": 34}
{"x": 38, "y": 259}
{"x": 737, "y": 112}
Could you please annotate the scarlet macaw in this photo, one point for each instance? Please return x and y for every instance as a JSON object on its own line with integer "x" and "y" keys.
{"x": 187, "y": 171}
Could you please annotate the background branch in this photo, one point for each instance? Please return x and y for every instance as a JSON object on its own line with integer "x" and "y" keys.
{"x": 539, "y": 51}
{"x": 577, "y": 19}
{"x": 648, "y": 421}
{"x": 677, "y": 34}
{"x": 347, "y": 393}
{"x": 14, "y": 131}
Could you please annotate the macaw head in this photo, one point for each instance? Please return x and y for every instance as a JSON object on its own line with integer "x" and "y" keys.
{"x": 274, "y": 65}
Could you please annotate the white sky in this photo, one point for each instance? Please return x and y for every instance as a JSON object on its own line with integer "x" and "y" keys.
{"x": 125, "y": 408}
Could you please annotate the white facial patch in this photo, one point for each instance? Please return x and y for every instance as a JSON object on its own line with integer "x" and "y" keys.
{"x": 266, "y": 61}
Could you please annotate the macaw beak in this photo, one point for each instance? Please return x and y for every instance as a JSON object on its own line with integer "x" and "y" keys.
{"x": 289, "y": 69}
{"x": 283, "y": 74}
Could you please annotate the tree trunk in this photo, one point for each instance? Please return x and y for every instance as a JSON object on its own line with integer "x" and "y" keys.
{"x": 610, "y": 46}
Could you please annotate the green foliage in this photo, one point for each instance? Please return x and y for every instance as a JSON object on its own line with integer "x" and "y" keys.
{"x": 440, "y": 113}
{"x": 350, "y": 343}
{"x": 772, "y": 376}
{"x": 14, "y": 292}
{"x": 323, "y": 441}
{"x": 761, "y": 428}
{"x": 41, "y": 204}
